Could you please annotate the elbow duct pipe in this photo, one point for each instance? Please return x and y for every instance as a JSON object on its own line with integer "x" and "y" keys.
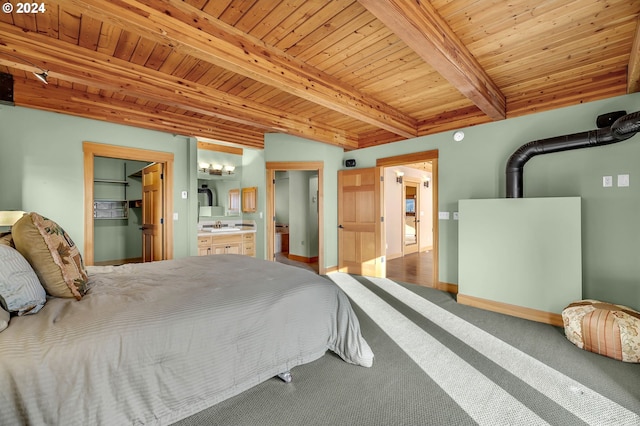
{"x": 205, "y": 190}
{"x": 622, "y": 129}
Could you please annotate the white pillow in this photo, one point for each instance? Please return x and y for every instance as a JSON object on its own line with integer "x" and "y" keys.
{"x": 4, "y": 319}
{"x": 20, "y": 290}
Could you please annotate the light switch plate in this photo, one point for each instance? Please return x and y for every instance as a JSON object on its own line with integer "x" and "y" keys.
{"x": 184, "y": 195}
{"x": 175, "y": 216}
{"x": 443, "y": 215}
{"x": 456, "y": 215}
{"x": 607, "y": 181}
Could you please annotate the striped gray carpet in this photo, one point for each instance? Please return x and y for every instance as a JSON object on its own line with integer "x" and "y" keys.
{"x": 440, "y": 363}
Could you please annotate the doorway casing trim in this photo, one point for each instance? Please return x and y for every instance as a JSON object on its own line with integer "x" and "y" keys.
{"x": 272, "y": 167}
{"x": 416, "y": 157}
{"x": 92, "y": 150}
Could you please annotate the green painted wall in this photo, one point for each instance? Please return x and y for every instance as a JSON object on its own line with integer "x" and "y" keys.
{"x": 41, "y": 167}
{"x": 254, "y": 174}
{"x": 474, "y": 168}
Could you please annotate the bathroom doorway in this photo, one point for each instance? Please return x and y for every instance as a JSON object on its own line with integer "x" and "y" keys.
{"x": 294, "y": 205}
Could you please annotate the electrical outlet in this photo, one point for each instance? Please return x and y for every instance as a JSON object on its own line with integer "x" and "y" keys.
{"x": 184, "y": 195}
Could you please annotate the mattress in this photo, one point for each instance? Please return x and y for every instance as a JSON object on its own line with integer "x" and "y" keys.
{"x": 156, "y": 342}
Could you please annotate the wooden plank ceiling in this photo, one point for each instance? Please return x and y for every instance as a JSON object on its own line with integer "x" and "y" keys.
{"x": 344, "y": 72}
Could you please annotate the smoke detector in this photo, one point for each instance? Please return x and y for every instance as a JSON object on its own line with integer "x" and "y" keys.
{"x": 458, "y": 136}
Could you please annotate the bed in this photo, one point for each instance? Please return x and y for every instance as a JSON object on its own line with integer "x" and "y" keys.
{"x": 153, "y": 343}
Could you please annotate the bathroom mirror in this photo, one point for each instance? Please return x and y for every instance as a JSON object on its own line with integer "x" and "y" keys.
{"x": 216, "y": 198}
{"x": 219, "y": 176}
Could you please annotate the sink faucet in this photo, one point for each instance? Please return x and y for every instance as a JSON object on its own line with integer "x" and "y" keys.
{"x": 218, "y": 224}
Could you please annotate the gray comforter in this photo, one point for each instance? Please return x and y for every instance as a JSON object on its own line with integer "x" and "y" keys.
{"x": 154, "y": 343}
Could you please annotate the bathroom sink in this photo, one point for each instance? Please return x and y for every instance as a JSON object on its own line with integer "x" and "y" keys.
{"x": 225, "y": 229}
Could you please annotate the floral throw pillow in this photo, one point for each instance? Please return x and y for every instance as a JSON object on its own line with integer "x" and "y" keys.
{"x": 52, "y": 254}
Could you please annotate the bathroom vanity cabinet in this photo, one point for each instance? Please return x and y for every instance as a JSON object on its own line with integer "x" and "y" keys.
{"x": 227, "y": 243}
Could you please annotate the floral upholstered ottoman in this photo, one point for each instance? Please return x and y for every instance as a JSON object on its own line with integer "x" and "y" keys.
{"x": 604, "y": 328}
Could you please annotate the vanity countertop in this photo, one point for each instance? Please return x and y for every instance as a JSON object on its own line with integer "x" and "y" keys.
{"x": 226, "y": 227}
{"x": 223, "y": 231}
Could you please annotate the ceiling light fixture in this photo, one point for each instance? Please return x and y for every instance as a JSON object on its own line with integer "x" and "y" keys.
{"x": 42, "y": 75}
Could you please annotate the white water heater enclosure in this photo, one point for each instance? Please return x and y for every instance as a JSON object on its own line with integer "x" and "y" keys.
{"x": 525, "y": 252}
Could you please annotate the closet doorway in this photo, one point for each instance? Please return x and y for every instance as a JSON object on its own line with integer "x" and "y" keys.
{"x": 304, "y": 226}
{"x": 158, "y": 241}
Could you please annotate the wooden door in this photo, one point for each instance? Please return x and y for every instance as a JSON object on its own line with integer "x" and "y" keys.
{"x": 360, "y": 222}
{"x": 152, "y": 207}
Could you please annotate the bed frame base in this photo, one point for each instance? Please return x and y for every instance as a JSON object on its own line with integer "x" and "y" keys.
{"x": 286, "y": 376}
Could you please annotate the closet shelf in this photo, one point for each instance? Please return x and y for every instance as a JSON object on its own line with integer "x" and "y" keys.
{"x": 120, "y": 182}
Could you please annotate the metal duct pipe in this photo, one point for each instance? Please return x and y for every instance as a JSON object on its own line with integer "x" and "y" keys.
{"x": 622, "y": 129}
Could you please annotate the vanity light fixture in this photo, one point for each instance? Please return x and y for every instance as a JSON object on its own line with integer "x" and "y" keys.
{"x": 204, "y": 167}
{"x": 219, "y": 169}
{"x": 215, "y": 169}
{"x": 399, "y": 176}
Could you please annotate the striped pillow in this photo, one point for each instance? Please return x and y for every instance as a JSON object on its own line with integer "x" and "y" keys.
{"x": 20, "y": 290}
{"x": 604, "y": 328}
{"x": 4, "y": 319}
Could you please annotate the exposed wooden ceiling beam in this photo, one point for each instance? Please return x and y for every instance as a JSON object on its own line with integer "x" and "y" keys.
{"x": 190, "y": 31}
{"x": 633, "y": 69}
{"x": 420, "y": 26}
{"x": 78, "y": 65}
{"x": 33, "y": 94}
{"x": 220, "y": 148}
